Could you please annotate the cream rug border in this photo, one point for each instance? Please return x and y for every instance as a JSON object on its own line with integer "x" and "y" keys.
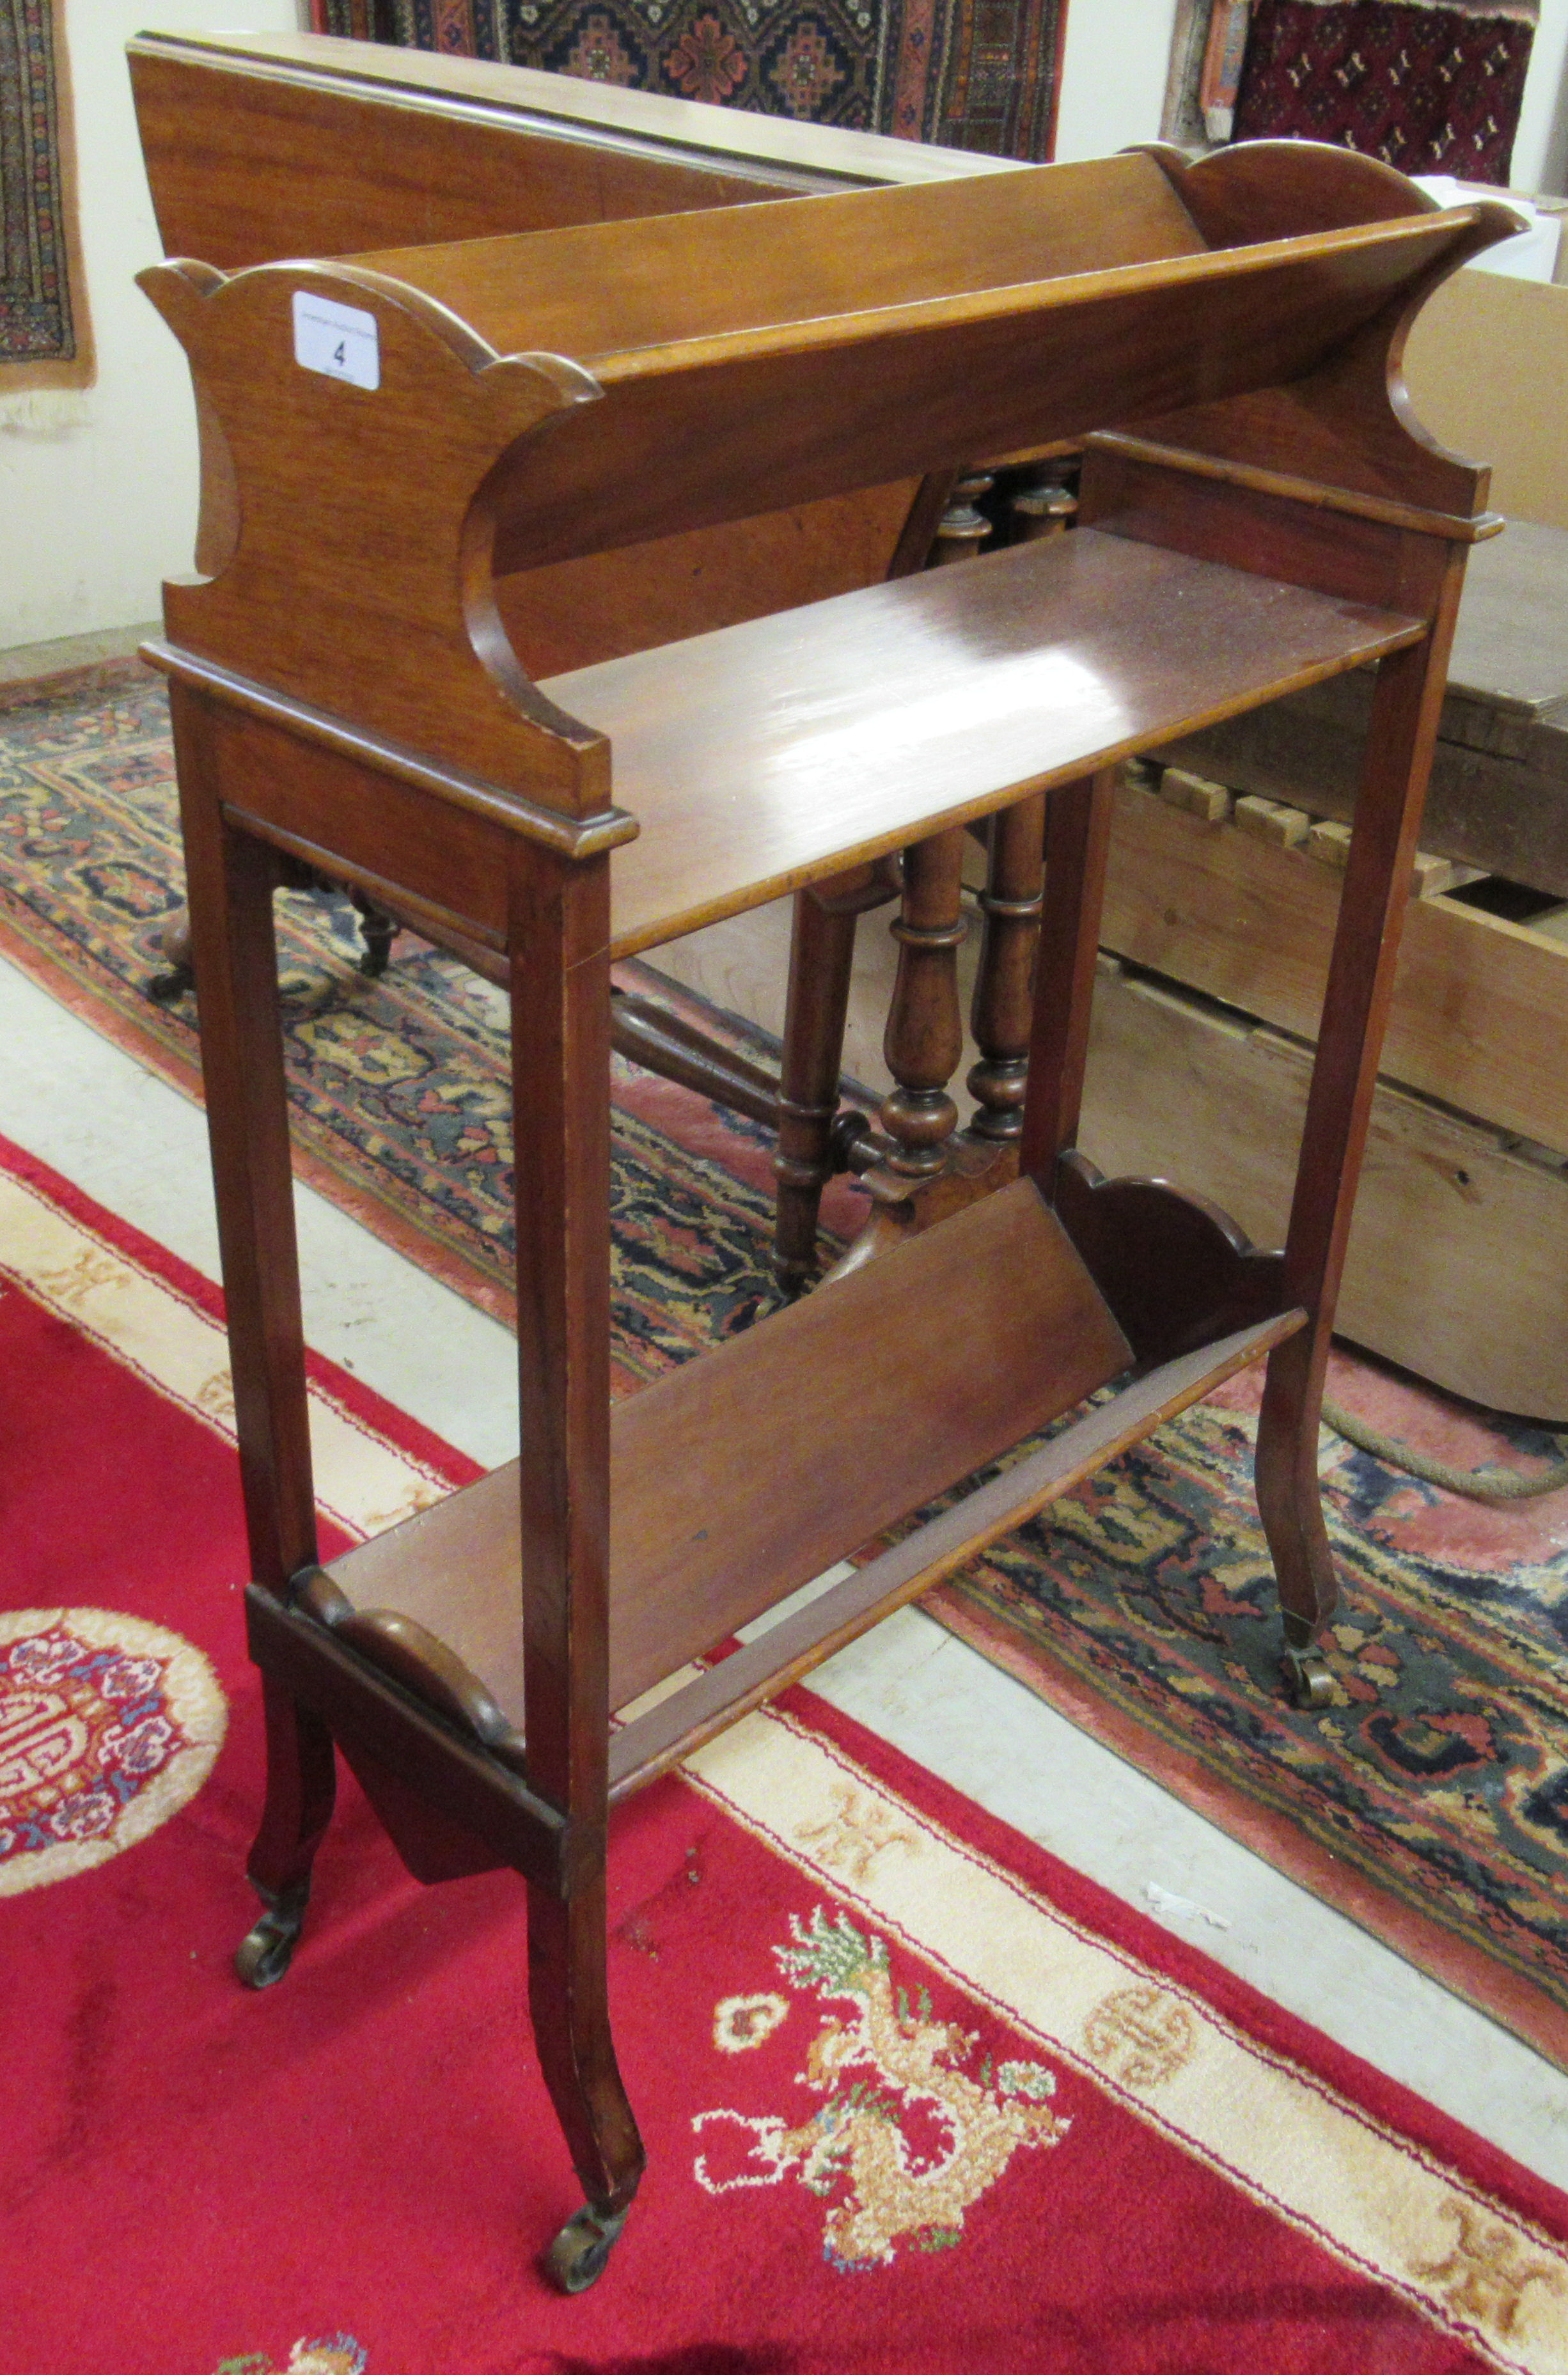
{"x": 363, "y": 1483}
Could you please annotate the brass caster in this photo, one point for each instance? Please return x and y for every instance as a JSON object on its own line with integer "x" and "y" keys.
{"x": 1307, "y": 1677}
{"x": 579, "y": 2253}
{"x": 266, "y": 1952}
{"x": 168, "y": 989}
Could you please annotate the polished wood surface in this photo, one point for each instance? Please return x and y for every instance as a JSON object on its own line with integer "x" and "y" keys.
{"x": 571, "y": 614}
{"x": 603, "y": 289}
{"x": 411, "y": 498}
{"x": 709, "y": 1527}
{"x": 257, "y": 149}
{"x": 248, "y": 161}
{"x": 1355, "y": 1011}
{"x": 764, "y": 757}
{"x": 923, "y": 380}
{"x": 649, "y": 1743}
{"x": 346, "y": 145}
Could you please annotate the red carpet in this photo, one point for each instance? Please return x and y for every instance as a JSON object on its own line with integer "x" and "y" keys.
{"x": 916, "y": 2097}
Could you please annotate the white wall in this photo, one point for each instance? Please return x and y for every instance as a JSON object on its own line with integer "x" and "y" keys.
{"x": 1114, "y": 68}
{"x": 98, "y": 507}
{"x": 1540, "y": 149}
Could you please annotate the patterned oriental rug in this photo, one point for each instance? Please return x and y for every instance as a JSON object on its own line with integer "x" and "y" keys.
{"x": 919, "y": 2100}
{"x": 1428, "y": 85}
{"x": 1430, "y": 1801}
{"x": 969, "y": 73}
{"x": 44, "y": 342}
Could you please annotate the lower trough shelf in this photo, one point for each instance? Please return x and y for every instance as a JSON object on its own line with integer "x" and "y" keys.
{"x": 717, "y": 1695}
{"x": 744, "y": 1475}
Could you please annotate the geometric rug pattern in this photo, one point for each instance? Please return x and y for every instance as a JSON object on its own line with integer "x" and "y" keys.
{"x": 971, "y": 73}
{"x": 1427, "y": 86}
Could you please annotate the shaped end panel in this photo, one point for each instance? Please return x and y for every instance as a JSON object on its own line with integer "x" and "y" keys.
{"x": 1344, "y": 431}
{"x": 353, "y": 428}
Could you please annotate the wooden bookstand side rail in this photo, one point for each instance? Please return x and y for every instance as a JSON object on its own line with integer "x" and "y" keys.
{"x": 343, "y": 692}
{"x": 266, "y": 145}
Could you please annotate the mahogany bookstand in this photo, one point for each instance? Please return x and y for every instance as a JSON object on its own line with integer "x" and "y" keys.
{"x": 395, "y": 433}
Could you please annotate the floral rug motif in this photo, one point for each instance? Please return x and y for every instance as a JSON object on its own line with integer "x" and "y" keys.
{"x": 331, "y": 2354}
{"x": 108, "y": 1726}
{"x": 1430, "y": 1801}
{"x": 40, "y": 331}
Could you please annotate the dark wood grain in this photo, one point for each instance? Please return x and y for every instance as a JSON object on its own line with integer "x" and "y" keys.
{"x": 347, "y": 696}
{"x": 1002, "y": 1013}
{"x": 1361, "y": 983}
{"x": 822, "y": 955}
{"x": 230, "y": 880}
{"x": 301, "y": 144}
{"x": 925, "y": 1036}
{"x": 1078, "y": 836}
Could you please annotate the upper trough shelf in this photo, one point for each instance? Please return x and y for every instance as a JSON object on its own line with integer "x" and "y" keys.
{"x": 549, "y": 396}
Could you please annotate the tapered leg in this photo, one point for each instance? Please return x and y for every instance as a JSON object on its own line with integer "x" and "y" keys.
{"x": 302, "y": 1782}
{"x": 1355, "y": 1006}
{"x": 232, "y": 877}
{"x": 571, "y": 2032}
{"x": 560, "y": 1051}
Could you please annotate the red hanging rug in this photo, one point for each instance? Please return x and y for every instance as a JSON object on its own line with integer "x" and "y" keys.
{"x": 1427, "y": 86}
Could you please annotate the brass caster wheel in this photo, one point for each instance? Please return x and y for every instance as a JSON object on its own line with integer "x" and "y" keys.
{"x": 1307, "y": 1677}
{"x": 265, "y": 1953}
{"x": 168, "y": 989}
{"x": 579, "y": 2253}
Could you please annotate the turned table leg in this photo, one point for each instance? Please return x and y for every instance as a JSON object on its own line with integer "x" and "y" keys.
{"x": 922, "y": 1046}
{"x": 1002, "y": 1013}
{"x": 812, "y": 1129}
{"x": 924, "y": 1034}
{"x": 963, "y": 526}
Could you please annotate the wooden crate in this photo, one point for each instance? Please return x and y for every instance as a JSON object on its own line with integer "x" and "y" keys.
{"x": 1456, "y": 1267}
